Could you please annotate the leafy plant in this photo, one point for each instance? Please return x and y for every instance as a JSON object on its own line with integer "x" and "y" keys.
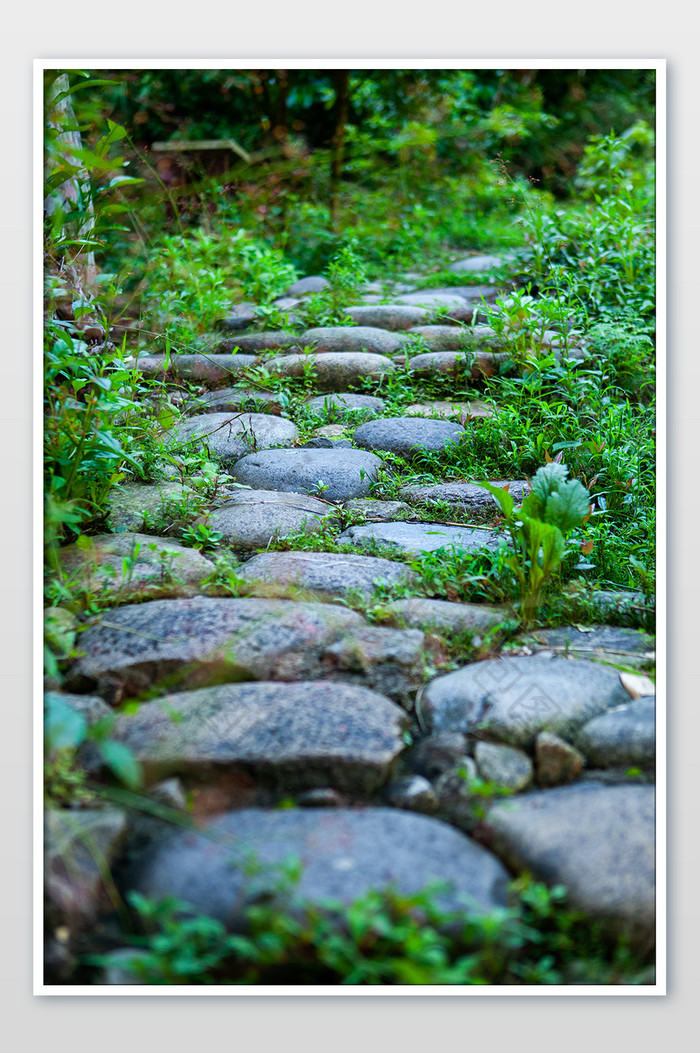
{"x": 538, "y": 529}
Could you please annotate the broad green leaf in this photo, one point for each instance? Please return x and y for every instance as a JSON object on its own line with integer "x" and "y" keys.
{"x": 120, "y": 760}
{"x": 568, "y": 506}
{"x": 63, "y": 727}
{"x": 548, "y": 479}
{"x": 502, "y": 496}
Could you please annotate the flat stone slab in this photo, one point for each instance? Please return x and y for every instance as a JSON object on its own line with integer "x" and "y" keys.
{"x": 254, "y": 343}
{"x": 381, "y": 511}
{"x": 345, "y": 473}
{"x": 431, "y": 299}
{"x": 598, "y": 841}
{"x": 450, "y": 410}
{"x": 471, "y": 293}
{"x": 231, "y": 400}
{"x": 325, "y": 574}
{"x": 209, "y": 370}
{"x": 414, "y": 538}
{"x": 442, "y": 337}
{"x": 240, "y": 316}
{"x": 296, "y": 736}
{"x": 512, "y": 699}
{"x": 627, "y": 647}
{"x": 346, "y": 405}
{"x": 312, "y": 284}
{"x": 191, "y": 643}
{"x": 78, "y": 846}
{"x": 465, "y": 497}
{"x": 390, "y": 661}
{"x": 229, "y": 437}
{"x": 334, "y": 371}
{"x": 344, "y": 853}
{"x": 407, "y": 436}
{"x": 477, "y": 363}
{"x": 253, "y": 517}
{"x": 443, "y": 616}
{"x": 394, "y": 317}
{"x": 622, "y": 737}
{"x": 156, "y": 566}
{"x": 472, "y": 264}
{"x": 133, "y": 506}
{"x": 351, "y": 338}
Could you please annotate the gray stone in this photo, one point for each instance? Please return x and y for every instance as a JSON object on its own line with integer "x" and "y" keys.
{"x": 286, "y": 303}
{"x": 625, "y": 736}
{"x": 438, "y": 753}
{"x": 414, "y": 538}
{"x": 442, "y": 337}
{"x": 414, "y": 793}
{"x": 294, "y": 736}
{"x": 473, "y": 294}
{"x": 460, "y": 410}
{"x": 627, "y": 608}
{"x": 344, "y": 473}
{"x": 476, "y": 264}
{"x": 443, "y": 616}
{"x": 557, "y": 761}
{"x": 513, "y": 699}
{"x": 390, "y": 661}
{"x": 325, "y": 575}
{"x": 230, "y": 400}
{"x": 381, "y": 511}
{"x": 313, "y": 284}
{"x": 325, "y": 442}
{"x": 134, "y": 505}
{"x": 344, "y": 852}
{"x": 230, "y": 437}
{"x": 156, "y": 566}
{"x": 628, "y": 647}
{"x": 597, "y": 841}
{"x": 351, "y": 339}
{"x": 333, "y": 371}
{"x": 240, "y": 316}
{"x": 320, "y": 797}
{"x": 465, "y": 497}
{"x": 503, "y": 765}
{"x": 209, "y": 370}
{"x": 433, "y": 300}
{"x": 331, "y": 431}
{"x": 395, "y": 317}
{"x": 79, "y": 846}
{"x": 254, "y": 343}
{"x": 254, "y": 517}
{"x": 346, "y": 405}
{"x": 187, "y": 644}
{"x": 407, "y": 436}
{"x": 476, "y": 363}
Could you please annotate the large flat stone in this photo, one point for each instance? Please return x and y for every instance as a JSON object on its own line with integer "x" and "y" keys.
{"x": 351, "y": 339}
{"x": 296, "y": 736}
{"x": 253, "y": 517}
{"x": 477, "y": 363}
{"x": 314, "y": 283}
{"x": 229, "y": 437}
{"x": 512, "y": 699}
{"x": 407, "y": 436}
{"x": 346, "y": 405}
{"x": 345, "y": 473}
{"x": 623, "y": 737}
{"x": 395, "y": 317}
{"x": 443, "y": 616}
{"x": 596, "y": 840}
{"x": 324, "y": 574}
{"x": 186, "y": 644}
{"x": 442, "y": 337}
{"x": 254, "y": 343}
{"x": 344, "y": 853}
{"x": 154, "y": 567}
{"x": 465, "y": 497}
{"x": 209, "y": 370}
{"x": 454, "y": 410}
{"x": 231, "y": 400}
{"x": 390, "y": 661}
{"x": 333, "y": 370}
{"x": 414, "y": 538}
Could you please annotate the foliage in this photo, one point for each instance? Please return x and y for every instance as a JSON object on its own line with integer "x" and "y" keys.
{"x": 387, "y": 938}
{"x": 65, "y": 731}
{"x": 538, "y": 528}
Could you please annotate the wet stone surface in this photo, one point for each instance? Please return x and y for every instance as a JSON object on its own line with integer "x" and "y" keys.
{"x": 414, "y": 538}
{"x": 253, "y": 517}
{"x": 324, "y": 574}
{"x": 334, "y": 475}
{"x": 407, "y": 436}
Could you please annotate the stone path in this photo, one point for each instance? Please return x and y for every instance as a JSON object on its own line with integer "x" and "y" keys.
{"x": 309, "y": 684}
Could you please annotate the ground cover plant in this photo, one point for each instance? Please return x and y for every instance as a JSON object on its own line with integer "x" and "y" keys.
{"x": 178, "y": 339}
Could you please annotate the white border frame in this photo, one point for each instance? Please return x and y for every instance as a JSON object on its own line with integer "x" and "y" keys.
{"x": 657, "y": 989}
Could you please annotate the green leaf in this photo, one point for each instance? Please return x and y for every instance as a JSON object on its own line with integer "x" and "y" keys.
{"x": 547, "y": 479}
{"x": 64, "y": 728}
{"x": 504, "y": 499}
{"x": 122, "y": 762}
{"x": 568, "y": 506}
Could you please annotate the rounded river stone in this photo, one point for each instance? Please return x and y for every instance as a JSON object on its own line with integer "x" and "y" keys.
{"x": 395, "y": 317}
{"x": 406, "y": 436}
{"x": 335, "y": 475}
{"x": 325, "y": 574}
{"x": 346, "y": 404}
{"x": 229, "y": 437}
{"x": 334, "y": 371}
{"x": 253, "y": 517}
{"x": 351, "y": 338}
{"x": 415, "y": 538}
